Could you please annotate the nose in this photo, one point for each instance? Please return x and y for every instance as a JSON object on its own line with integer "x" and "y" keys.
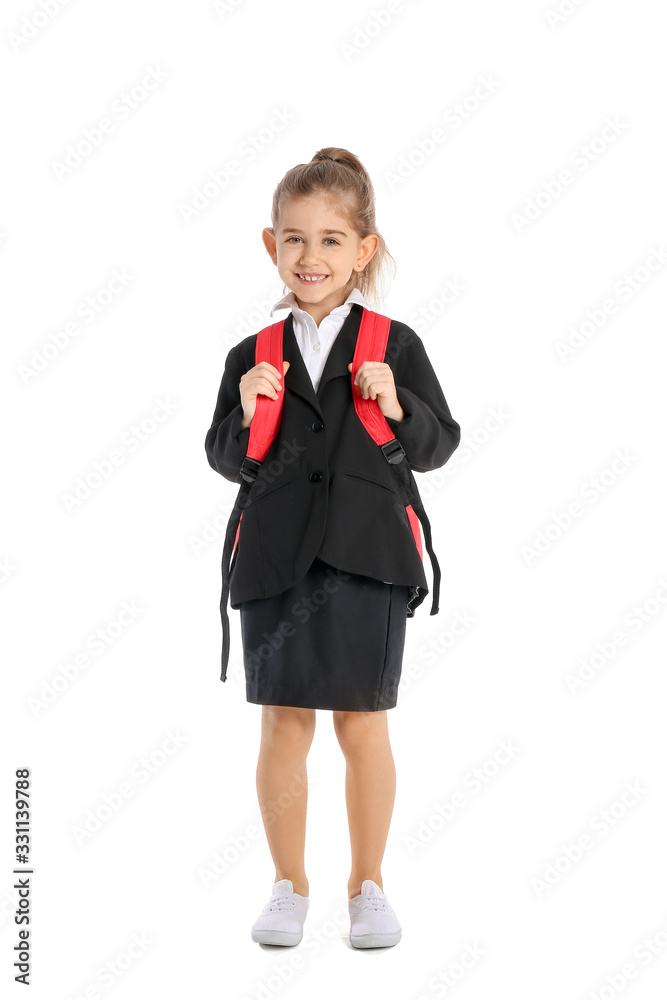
{"x": 308, "y": 255}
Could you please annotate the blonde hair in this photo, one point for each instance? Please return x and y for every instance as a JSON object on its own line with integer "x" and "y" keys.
{"x": 346, "y": 182}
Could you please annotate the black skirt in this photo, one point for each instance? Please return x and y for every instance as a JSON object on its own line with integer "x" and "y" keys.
{"x": 334, "y": 640}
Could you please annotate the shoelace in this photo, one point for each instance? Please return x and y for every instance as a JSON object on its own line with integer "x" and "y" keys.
{"x": 281, "y": 902}
{"x": 374, "y": 903}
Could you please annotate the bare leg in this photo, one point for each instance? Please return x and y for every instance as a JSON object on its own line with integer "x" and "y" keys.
{"x": 370, "y": 789}
{"x": 282, "y": 788}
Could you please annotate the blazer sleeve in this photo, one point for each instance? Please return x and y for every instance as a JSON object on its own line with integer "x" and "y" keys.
{"x": 226, "y": 441}
{"x": 428, "y": 432}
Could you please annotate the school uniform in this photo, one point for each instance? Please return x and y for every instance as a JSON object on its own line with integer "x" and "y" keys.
{"x": 325, "y": 566}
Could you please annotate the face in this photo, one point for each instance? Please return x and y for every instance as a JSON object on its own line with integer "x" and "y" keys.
{"x": 316, "y": 252}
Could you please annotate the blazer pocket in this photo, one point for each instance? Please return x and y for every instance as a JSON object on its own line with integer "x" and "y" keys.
{"x": 365, "y": 478}
{"x": 255, "y": 498}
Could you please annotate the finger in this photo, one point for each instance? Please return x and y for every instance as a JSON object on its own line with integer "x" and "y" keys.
{"x": 270, "y": 373}
{"x": 268, "y": 389}
{"x": 259, "y": 385}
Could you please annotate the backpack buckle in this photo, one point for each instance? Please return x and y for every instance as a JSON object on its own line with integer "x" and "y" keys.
{"x": 249, "y": 469}
{"x": 393, "y": 451}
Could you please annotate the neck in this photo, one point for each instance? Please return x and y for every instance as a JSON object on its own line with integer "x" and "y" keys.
{"x": 318, "y": 310}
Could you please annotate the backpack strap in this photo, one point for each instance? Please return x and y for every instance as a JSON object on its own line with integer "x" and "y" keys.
{"x": 265, "y": 423}
{"x": 263, "y": 429}
{"x": 372, "y": 346}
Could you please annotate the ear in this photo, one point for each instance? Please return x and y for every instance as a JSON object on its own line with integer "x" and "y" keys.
{"x": 270, "y": 243}
{"x": 367, "y": 248}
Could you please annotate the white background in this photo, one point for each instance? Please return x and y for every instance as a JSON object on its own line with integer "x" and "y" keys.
{"x": 150, "y": 534}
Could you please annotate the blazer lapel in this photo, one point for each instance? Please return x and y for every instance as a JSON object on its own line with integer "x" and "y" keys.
{"x": 298, "y": 378}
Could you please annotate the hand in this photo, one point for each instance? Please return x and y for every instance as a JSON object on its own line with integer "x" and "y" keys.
{"x": 376, "y": 381}
{"x": 264, "y": 379}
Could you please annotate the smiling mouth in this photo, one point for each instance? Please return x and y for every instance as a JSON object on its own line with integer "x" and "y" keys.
{"x": 311, "y": 279}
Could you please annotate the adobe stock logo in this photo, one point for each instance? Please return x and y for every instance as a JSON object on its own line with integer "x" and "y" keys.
{"x": 591, "y": 491}
{"x": 581, "y": 158}
{"x": 32, "y": 24}
{"x": 472, "y": 783}
{"x": 600, "y": 824}
{"x": 598, "y": 315}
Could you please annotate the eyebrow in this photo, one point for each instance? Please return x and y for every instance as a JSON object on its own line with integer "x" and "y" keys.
{"x": 327, "y": 231}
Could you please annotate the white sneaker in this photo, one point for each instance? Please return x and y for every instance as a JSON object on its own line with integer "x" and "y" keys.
{"x": 281, "y": 920}
{"x": 373, "y": 923}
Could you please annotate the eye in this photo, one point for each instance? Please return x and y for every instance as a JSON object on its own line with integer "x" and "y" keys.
{"x": 327, "y": 239}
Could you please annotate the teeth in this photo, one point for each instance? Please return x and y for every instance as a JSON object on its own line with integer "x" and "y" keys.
{"x": 307, "y": 278}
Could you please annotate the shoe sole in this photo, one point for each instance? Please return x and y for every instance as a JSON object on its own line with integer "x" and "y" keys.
{"x": 277, "y": 937}
{"x": 375, "y": 940}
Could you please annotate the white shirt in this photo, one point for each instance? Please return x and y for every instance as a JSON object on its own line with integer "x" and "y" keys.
{"x": 315, "y": 341}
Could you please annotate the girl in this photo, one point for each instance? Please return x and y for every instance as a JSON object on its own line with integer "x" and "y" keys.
{"x": 325, "y": 568}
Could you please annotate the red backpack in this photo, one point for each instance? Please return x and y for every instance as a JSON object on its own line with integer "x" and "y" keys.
{"x": 371, "y": 346}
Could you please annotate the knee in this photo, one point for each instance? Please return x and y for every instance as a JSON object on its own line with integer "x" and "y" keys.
{"x": 355, "y": 730}
{"x": 287, "y": 728}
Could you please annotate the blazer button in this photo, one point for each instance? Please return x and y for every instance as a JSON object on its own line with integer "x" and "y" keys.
{"x": 316, "y": 477}
{"x": 317, "y": 426}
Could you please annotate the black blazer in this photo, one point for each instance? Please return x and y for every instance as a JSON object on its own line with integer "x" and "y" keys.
{"x": 325, "y": 488}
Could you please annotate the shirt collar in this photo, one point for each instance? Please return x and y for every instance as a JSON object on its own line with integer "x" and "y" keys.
{"x": 289, "y": 302}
